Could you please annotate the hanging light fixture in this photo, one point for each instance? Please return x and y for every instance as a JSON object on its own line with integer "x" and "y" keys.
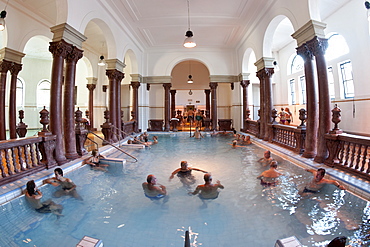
{"x": 2, "y": 17}
{"x": 101, "y": 61}
{"x": 189, "y": 41}
{"x": 190, "y": 78}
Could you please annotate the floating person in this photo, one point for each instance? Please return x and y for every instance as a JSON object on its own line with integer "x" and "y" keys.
{"x": 153, "y": 190}
{"x": 318, "y": 182}
{"x": 184, "y": 173}
{"x": 94, "y": 161}
{"x": 266, "y": 160}
{"x": 68, "y": 187}
{"x": 197, "y": 133}
{"x": 269, "y": 177}
{"x": 34, "y": 196}
{"x": 208, "y": 190}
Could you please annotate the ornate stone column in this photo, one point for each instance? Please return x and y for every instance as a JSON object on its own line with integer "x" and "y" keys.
{"x": 318, "y": 46}
{"x": 120, "y": 76}
{"x": 59, "y": 49}
{"x": 91, "y": 87}
{"x": 261, "y": 76}
{"x": 311, "y": 104}
{"x": 208, "y": 104}
{"x": 213, "y": 86}
{"x": 69, "y": 103}
{"x": 4, "y": 68}
{"x": 268, "y": 100}
{"x": 246, "y": 112}
{"x": 173, "y": 103}
{"x": 113, "y": 76}
{"x": 167, "y": 109}
{"x": 135, "y": 99}
{"x": 14, "y": 70}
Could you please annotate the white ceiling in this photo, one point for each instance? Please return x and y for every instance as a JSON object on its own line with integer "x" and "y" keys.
{"x": 161, "y": 24}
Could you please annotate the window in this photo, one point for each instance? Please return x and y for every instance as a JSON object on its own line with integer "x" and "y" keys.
{"x": 297, "y": 64}
{"x": 292, "y": 91}
{"x": 19, "y": 93}
{"x": 43, "y": 93}
{"x": 337, "y": 46}
{"x": 302, "y": 81}
{"x": 331, "y": 83}
{"x": 347, "y": 79}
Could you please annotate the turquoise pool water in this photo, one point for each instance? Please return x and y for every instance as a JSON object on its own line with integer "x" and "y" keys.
{"x": 115, "y": 210}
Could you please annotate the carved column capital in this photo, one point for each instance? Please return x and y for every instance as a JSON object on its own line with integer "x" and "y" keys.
{"x": 245, "y": 83}
{"x": 60, "y": 48}
{"x": 74, "y": 55}
{"x": 5, "y": 66}
{"x": 167, "y": 86}
{"x": 305, "y": 52}
{"x": 135, "y": 84}
{"x": 207, "y": 91}
{"x": 318, "y": 46}
{"x": 173, "y": 92}
{"x": 265, "y": 73}
{"x": 213, "y": 85}
{"x": 91, "y": 87}
{"x": 114, "y": 74}
{"x": 16, "y": 67}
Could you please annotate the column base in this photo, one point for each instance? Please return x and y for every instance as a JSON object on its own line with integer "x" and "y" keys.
{"x": 72, "y": 156}
{"x": 309, "y": 154}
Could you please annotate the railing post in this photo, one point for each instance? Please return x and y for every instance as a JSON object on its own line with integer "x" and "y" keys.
{"x": 302, "y": 117}
{"x": 332, "y": 139}
{"x": 47, "y": 146}
{"x": 107, "y": 128}
{"x": 21, "y": 127}
{"x": 81, "y": 133}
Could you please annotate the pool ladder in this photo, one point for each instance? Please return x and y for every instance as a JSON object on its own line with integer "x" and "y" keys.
{"x": 111, "y": 144}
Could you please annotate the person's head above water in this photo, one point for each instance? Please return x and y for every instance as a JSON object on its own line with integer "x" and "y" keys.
{"x": 320, "y": 174}
{"x": 31, "y": 187}
{"x": 273, "y": 164}
{"x": 58, "y": 171}
{"x": 267, "y": 154}
{"x": 184, "y": 164}
{"x": 151, "y": 179}
{"x": 207, "y": 177}
{"x": 94, "y": 152}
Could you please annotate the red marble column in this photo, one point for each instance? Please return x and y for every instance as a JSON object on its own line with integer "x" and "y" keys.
{"x": 167, "y": 109}
{"x": 59, "y": 49}
{"x": 245, "y": 84}
{"x": 261, "y": 76}
{"x": 213, "y": 86}
{"x": 311, "y": 103}
{"x": 4, "y": 67}
{"x": 14, "y": 70}
{"x": 120, "y": 76}
{"x": 208, "y": 104}
{"x": 135, "y": 101}
{"x": 318, "y": 46}
{"x": 173, "y": 103}
{"x": 91, "y": 88}
{"x": 268, "y": 100}
{"x": 69, "y": 103}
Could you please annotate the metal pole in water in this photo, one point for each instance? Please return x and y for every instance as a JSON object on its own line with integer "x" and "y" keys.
{"x": 190, "y": 127}
{"x": 187, "y": 239}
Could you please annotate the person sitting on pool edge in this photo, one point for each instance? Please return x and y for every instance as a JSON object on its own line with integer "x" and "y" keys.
{"x": 184, "y": 173}
{"x": 269, "y": 177}
{"x": 318, "y": 182}
{"x": 266, "y": 160}
{"x": 152, "y": 190}
{"x": 68, "y": 187}
{"x": 94, "y": 161}
{"x": 34, "y": 196}
{"x": 208, "y": 190}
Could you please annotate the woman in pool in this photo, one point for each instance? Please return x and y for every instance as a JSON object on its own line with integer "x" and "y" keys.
{"x": 184, "y": 173}
{"x": 34, "y": 196}
{"x": 94, "y": 161}
{"x": 152, "y": 190}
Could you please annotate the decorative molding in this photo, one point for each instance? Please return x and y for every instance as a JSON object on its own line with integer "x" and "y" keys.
{"x": 309, "y": 31}
{"x": 115, "y": 64}
{"x": 11, "y": 55}
{"x": 69, "y": 34}
{"x": 264, "y": 62}
{"x": 136, "y": 77}
{"x": 223, "y": 78}
{"x": 157, "y": 79}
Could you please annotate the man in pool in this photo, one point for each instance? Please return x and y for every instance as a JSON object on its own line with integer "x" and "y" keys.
{"x": 68, "y": 187}
{"x": 318, "y": 182}
{"x": 269, "y": 177}
{"x": 34, "y": 196}
{"x": 266, "y": 160}
{"x": 208, "y": 190}
{"x": 152, "y": 190}
{"x": 184, "y": 173}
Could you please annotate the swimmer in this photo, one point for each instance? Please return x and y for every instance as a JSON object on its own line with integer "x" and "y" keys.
{"x": 208, "y": 190}
{"x": 266, "y": 160}
{"x": 152, "y": 190}
{"x": 318, "y": 182}
{"x": 155, "y": 139}
{"x": 184, "y": 173}
{"x": 34, "y": 196}
{"x": 197, "y": 134}
{"x": 246, "y": 140}
{"x": 269, "y": 177}
{"x": 94, "y": 161}
{"x": 233, "y": 144}
{"x": 68, "y": 187}
{"x": 214, "y": 133}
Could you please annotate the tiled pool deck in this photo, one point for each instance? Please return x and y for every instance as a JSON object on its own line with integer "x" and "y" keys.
{"x": 353, "y": 184}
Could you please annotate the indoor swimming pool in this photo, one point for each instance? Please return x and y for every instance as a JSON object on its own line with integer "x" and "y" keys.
{"x": 115, "y": 210}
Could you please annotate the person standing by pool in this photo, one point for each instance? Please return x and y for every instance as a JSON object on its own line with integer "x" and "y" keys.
{"x": 208, "y": 190}
{"x": 318, "y": 182}
{"x": 34, "y": 196}
{"x": 269, "y": 177}
{"x": 152, "y": 190}
{"x": 184, "y": 173}
{"x": 67, "y": 185}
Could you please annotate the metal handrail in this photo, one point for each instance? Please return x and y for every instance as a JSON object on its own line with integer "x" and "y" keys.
{"x": 114, "y": 146}
{"x": 97, "y": 145}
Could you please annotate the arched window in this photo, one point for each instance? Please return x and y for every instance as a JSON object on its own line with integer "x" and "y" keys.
{"x": 337, "y": 46}
{"x": 297, "y": 64}
{"x": 43, "y": 93}
{"x": 20, "y": 93}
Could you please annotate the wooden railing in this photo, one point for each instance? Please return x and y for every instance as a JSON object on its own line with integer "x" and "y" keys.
{"x": 287, "y": 136}
{"x": 253, "y": 127}
{"x": 350, "y": 153}
{"x": 24, "y": 156}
